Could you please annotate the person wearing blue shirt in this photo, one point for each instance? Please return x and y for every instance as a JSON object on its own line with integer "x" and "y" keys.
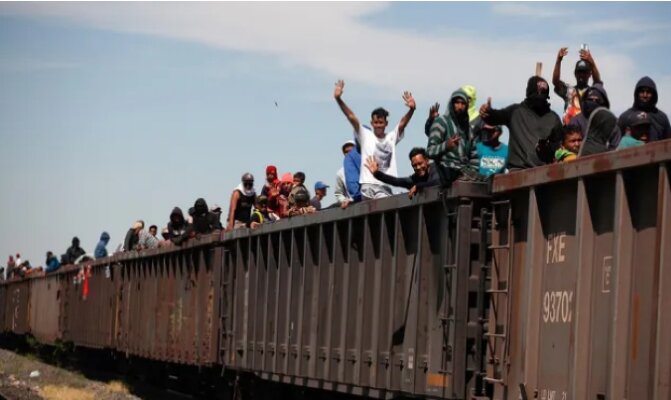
{"x": 352, "y": 166}
{"x": 51, "y": 263}
{"x": 637, "y": 130}
{"x": 491, "y": 152}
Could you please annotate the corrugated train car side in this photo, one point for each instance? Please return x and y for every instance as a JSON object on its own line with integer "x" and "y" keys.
{"x": 582, "y": 275}
{"x": 376, "y": 300}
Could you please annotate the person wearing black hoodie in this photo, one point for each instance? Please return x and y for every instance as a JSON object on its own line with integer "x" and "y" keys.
{"x": 645, "y": 99}
{"x": 73, "y": 252}
{"x": 204, "y": 221}
{"x": 596, "y": 122}
{"x": 177, "y": 226}
{"x": 529, "y": 122}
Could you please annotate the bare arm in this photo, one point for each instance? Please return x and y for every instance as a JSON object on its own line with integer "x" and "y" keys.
{"x": 556, "y": 73}
{"x": 410, "y": 103}
{"x": 231, "y": 210}
{"x": 587, "y": 56}
{"x": 351, "y": 117}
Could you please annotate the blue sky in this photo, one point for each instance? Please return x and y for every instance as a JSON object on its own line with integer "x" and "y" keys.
{"x": 112, "y": 112}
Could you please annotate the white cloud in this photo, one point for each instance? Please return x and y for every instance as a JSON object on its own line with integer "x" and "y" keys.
{"x": 526, "y": 10}
{"x": 333, "y": 38}
{"x": 617, "y": 26}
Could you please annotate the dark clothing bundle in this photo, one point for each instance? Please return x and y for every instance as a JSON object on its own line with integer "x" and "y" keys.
{"x": 659, "y": 124}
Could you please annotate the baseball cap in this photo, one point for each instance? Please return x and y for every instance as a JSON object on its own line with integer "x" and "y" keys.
{"x": 347, "y": 143}
{"x": 582, "y": 65}
{"x": 321, "y": 185}
{"x": 640, "y": 118}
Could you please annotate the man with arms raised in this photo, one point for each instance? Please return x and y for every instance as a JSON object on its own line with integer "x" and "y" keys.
{"x": 376, "y": 142}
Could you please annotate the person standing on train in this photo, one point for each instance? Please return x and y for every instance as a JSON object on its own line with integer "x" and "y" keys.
{"x": 132, "y": 238}
{"x": 451, "y": 145}
{"x": 645, "y": 99}
{"x": 271, "y": 180}
{"x": 177, "y": 226}
{"x": 637, "y": 130}
{"x": 352, "y": 171}
{"x": 341, "y": 193}
{"x": 529, "y": 122}
{"x": 585, "y": 68}
{"x": 492, "y": 154}
{"x": 376, "y": 142}
{"x": 299, "y": 186}
{"x": 242, "y": 201}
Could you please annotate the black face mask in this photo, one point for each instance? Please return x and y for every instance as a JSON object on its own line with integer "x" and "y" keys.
{"x": 538, "y": 103}
{"x": 589, "y": 106}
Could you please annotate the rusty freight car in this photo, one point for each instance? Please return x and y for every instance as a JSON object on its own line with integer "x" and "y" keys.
{"x": 579, "y": 288}
{"x": 548, "y": 283}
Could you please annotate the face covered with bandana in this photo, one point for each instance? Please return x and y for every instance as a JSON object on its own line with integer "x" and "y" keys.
{"x": 592, "y": 100}
{"x": 538, "y": 93}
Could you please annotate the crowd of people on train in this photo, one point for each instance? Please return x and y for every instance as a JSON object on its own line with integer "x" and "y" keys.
{"x": 463, "y": 144}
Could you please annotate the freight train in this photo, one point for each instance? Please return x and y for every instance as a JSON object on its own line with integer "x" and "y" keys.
{"x": 550, "y": 283}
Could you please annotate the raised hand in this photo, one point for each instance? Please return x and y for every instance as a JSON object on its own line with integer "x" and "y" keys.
{"x": 371, "y": 164}
{"x": 587, "y": 56}
{"x": 339, "y": 86}
{"x": 433, "y": 111}
{"x": 484, "y": 109}
{"x": 562, "y": 53}
{"x": 453, "y": 142}
{"x": 409, "y": 100}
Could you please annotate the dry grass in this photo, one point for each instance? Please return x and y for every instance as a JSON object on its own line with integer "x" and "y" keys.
{"x": 52, "y": 392}
{"x": 117, "y": 387}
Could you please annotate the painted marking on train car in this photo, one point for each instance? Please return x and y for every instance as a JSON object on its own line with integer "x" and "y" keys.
{"x": 552, "y": 394}
{"x": 434, "y": 379}
{"x": 557, "y": 306}
{"x": 556, "y": 245}
{"x": 607, "y": 268}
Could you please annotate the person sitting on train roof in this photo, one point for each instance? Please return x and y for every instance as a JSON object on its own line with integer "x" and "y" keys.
{"x": 637, "y": 130}
{"x": 528, "y": 122}
{"x": 595, "y": 96}
{"x": 271, "y": 180}
{"x": 177, "y": 226}
{"x": 153, "y": 230}
{"x": 242, "y": 201}
{"x": 146, "y": 240}
{"x": 645, "y": 99}
{"x": 425, "y": 174}
{"x": 451, "y": 145}
{"x": 341, "y": 193}
{"x": 585, "y": 68}
{"x": 570, "y": 144}
{"x": 133, "y": 236}
{"x": 299, "y": 186}
{"x": 278, "y": 202}
{"x": 601, "y": 133}
{"x": 352, "y": 171}
{"x": 376, "y": 142}
{"x": 301, "y": 204}
{"x": 101, "y": 248}
{"x": 51, "y": 263}
{"x": 73, "y": 253}
{"x": 216, "y": 210}
{"x": 261, "y": 215}
{"x": 491, "y": 152}
{"x": 204, "y": 221}
{"x": 320, "y": 193}
{"x": 165, "y": 234}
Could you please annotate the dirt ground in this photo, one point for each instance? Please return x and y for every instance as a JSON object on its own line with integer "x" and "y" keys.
{"x": 52, "y": 383}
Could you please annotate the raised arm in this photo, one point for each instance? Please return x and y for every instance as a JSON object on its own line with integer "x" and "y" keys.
{"x": 587, "y": 56}
{"x": 410, "y": 103}
{"x": 353, "y": 120}
{"x": 556, "y": 73}
{"x": 433, "y": 114}
{"x": 372, "y": 166}
{"x": 496, "y": 117}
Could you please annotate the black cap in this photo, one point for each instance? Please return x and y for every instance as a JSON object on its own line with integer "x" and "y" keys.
{"x": 582, "y": 65}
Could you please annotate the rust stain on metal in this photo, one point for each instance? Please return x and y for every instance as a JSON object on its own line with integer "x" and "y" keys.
{"x": 635, "y": 326}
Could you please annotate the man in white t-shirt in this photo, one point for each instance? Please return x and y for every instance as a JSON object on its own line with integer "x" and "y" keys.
{"x": 376, "y": 143}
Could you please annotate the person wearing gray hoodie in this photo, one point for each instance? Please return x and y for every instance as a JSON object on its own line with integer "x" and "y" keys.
{"x": 101, "y": 250}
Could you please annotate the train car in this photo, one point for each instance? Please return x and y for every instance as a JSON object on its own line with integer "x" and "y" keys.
{"x": 547, "y": 283}
{"x": 377, "y": 300}
{"x": 583, "y": 262}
